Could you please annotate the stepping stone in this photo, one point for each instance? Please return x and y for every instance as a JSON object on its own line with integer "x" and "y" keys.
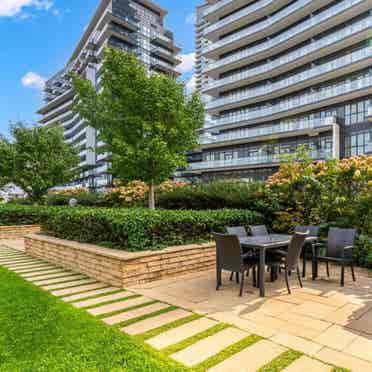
{"x": 62, "y": 279}
{"x": 24, "y": 265}
{"x": 43, "y": 273}
{"x": 73, "y": 290}
{"x": 102, "y": 299}
{"x": 132, "y": 314}
{"x": 176, "y": 335}
{"x": 209, "y": 346}
{"x": 252, "y": 358}
{"x": 34, "y": 269}
{"x": 69, "y": 284}
{"x": 89, "y": 294}
{"x": 57, "y": 274}
{"x": 15, "y": 260}
{"x": 155, "y": 322}
{"x": 307, "y": 364}
{"x": 116, "y": 306}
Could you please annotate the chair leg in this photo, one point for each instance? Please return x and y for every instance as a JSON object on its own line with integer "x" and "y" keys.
{"x": 299, "y": 277}
{"x": 219, "y": 280}
{"x": 254, "y": 275}
{"x": 242, "y": 284}
{"x": 231, "y": 276}
{"x": 342, "y": 275}
{"x": 304, "y": 265}
{"x": 237, "y": 278}
{"x": 247, "y": 272}
{"x": 327, "y": 269}
{"x": 352, "y": 272}
{"x": 287, "y": 281}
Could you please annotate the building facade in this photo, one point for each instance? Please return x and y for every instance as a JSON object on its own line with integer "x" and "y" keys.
{"x": 136, "y": 26}
{"x": 278, "y": 74}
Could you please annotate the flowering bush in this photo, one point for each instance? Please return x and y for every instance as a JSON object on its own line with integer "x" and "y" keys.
{"x": 131, "y": 194}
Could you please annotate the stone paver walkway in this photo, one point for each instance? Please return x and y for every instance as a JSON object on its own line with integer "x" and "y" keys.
{"x": 213, "y": 323}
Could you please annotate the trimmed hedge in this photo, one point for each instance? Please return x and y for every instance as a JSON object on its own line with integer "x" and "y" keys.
{"x": 13, "y": 214}
{"x": 142, "y": 229}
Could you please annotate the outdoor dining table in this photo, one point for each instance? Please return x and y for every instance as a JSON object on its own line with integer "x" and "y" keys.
{"x": 264, "y": 243}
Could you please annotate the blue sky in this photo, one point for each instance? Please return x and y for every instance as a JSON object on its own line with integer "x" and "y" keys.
{"x": 38, "y": 37}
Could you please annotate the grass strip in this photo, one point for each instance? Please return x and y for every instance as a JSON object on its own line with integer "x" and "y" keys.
{"x": 281, "y": 362}
{"x": 61, "y": 280}
{"x": 193, "y": 339}
{"x": 56, "y": 337}
{"x": 340, "y": 369}
{"x": 144, "y": 317}
{"x": 134, "y": 307}
{"x": 227, "y": 353}
{"x": 124, "y": 298}
{"x": 95, "y": 296}
{"x": 178, "y": 323}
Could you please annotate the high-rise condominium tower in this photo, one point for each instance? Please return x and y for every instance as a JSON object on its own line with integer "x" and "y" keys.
{"x": 136, "y": 26}
{"x": 277, "y": 74}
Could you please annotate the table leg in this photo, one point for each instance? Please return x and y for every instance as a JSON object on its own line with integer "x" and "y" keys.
{"x": 262, "y": 272}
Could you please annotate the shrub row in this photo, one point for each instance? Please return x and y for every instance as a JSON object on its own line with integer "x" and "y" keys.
{"x": 12, "y": 214}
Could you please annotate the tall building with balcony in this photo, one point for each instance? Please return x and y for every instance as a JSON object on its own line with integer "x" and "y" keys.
{"x": 278, "y": 74}
{"x": 135, "y": 26}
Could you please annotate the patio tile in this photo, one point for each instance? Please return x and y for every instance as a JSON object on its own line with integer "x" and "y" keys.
{"x": 300, "y": 330}
{"x": 307, "y": 364}
{"x": 155, "y": 322}
{"x": 89, "y": 293}
{"x": 116, "y": 306}
{"x": 297, "y": 343}
{"x": 345, "y": 314}
{"x": 361, "y": 347}
{"x": 264, "y": 320}
{"x": 314, "y": 310}
{"x": 251, "y": 358}
{"x": 344, "y": 360}
{"x": 52, "y": 275}
{"x": 42, "y": 273}
{"x": 38, "y": 268}
{"x": 206, "y": 348}
{"x": 176, "y": 335}
{"x": 305, "y": 321}
{"x": 336, "y": 337}
{"x": 17, "y": 260}
{"x": 363, "y": 324}
{"x": 66, "y": 278}
{"x": 274, "y": 308}
{"x": 21, "y": 266}
{"x": 102, "y": 299}
{"x": 69, "y": 284}
{"x": 82, "y": 288}
{"x": 132, "y": 314}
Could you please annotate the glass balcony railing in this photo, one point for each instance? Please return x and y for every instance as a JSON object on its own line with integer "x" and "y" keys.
{"x": 236, "y": 16}
{"x": 313, "y": 72}
{"x": 365, "y": 24}
{"x": 282, "y": 127}
{"x": 303, "y": 26}
{"x": 257, "y": 27}
{"x": 253, "y": 160}
{"x": 308, "y": 98}
{"x": 217, "y": 6}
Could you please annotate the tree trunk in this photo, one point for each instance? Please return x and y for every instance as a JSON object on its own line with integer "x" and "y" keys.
{"x": 152, "y": 196}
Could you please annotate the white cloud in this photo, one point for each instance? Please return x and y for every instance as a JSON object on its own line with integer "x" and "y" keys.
{"x": 33, "y": 80}
{"x": 10, "y": 8}
{"x": 191, "y": 84}
{"x": 190, "y": 19}
{"x": 188, "y": 62}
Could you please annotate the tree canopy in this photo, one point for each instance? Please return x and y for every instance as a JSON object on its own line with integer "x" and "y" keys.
{"x": 147, "y": 121}
{"x": 37, "y": 159}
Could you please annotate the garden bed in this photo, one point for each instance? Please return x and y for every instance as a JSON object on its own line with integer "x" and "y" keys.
{"x": 121, "y": 268}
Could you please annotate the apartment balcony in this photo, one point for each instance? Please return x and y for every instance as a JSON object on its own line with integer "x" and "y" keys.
{"x": 344, "y": 65}
{"x": 370, "y": 113}
{"x": 59, "y": 110}
{"x": 114, "y": 30}
{"x": 57, "y": 102}
{"x": 262, "y": 160}
{"x": 58, "y": 119}
{"x": 129, "y": 23}
{"x": 166, "y": 68}
{"x": 221, "y": 8}
{"x": 333, "y": 42}
{"x": 77, "y": 138}
{"x": 268, "y": 133}
{"x": 347, "y": 90}
{"x": 165, "y": 42}
{"x": 303, "y": 31}
{"x": 166, "y": 55}
{"x": 281, "y": 20}
{"x": 248, "y": 14}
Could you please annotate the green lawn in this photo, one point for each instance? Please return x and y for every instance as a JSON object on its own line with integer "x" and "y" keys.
{"x": 41, "y": 333}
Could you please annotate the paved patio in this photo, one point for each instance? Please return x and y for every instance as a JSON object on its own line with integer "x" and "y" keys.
{"x": 330, "y": 325}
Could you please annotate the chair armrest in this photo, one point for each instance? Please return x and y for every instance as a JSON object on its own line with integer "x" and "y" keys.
{"x": 320, "y": 244}
{"x": 348, "y": 247}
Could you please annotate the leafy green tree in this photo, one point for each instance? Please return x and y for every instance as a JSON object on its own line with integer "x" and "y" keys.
{"x": 147, "y": 121}
{"x": 37, "y": 159}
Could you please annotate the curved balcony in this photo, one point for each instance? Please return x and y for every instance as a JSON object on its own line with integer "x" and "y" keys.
{"x": 223, "y": 7}
{"x": 338, "y": 67}
{"x": 303, "y": 31}
{"x": 284, "y": 129}
{"x": 248, "y": 14}
{"x": 253, "y": 161}
{"x": 349, "y": 35}
{"x": 281, "y": 20}
{"x": 75, "y": 137}
{"x": 301, "y": 103}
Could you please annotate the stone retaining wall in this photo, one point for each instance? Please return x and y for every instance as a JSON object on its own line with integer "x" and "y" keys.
{"x": 17, "y": 232}
{"x": 120, "y": 268}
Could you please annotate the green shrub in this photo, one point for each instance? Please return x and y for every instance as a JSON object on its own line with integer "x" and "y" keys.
{"x": 13, "y": 214}
{"x": 363, "y": 251}
{"x": 85, "y": 199}
{"x": 142, "y": 229}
